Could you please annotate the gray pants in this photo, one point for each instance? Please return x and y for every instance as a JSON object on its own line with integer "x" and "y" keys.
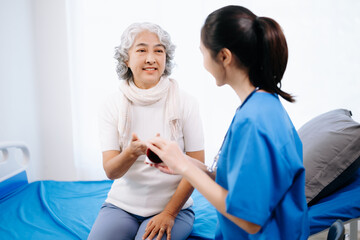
{"x": 114, "y": 223}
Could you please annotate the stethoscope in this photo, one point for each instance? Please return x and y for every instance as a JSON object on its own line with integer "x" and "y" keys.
{"x": 214, "y": 164}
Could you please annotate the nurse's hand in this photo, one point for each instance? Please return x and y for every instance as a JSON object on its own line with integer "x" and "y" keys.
{"x": 165, "y": 169}
{"x": 170, "y": 153}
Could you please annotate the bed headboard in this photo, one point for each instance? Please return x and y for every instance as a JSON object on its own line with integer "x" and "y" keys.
{"x": 14, "y": 159}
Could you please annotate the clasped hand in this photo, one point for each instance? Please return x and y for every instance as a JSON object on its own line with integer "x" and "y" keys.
{"x": 137, "y": 147}
{"x": 174, "y": 160}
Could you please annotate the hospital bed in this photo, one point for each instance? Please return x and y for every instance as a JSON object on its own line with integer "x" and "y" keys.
{"x": 66, "y": 210}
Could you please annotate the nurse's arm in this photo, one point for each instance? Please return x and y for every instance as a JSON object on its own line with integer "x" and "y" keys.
{"x": 194, "y": 160}
{"x": 216, "y": 195}
{"x": 202, "y": 166}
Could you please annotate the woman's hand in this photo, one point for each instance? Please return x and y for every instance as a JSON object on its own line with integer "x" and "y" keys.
{"x": 136, "y": 146}
{"x": 159, "y": 224}
{"x": 117, "y": 163}
{"x": 170, "y": 153}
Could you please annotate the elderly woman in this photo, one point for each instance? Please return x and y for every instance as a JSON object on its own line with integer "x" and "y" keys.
{"x": 144, "y": 202}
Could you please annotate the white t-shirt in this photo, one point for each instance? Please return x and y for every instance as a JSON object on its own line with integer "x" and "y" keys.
{"x": 145, "y": 190}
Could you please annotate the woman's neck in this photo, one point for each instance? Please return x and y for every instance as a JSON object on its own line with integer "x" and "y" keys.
{"x": 240, "y": 82}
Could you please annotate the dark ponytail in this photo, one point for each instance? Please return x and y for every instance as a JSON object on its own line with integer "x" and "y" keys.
{"x": 258, "y": 43}
{"x": 272, "y": 57}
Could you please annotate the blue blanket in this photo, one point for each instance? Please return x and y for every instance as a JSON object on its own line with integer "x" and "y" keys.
{"x": 67, "y": 210}
{"x": 51, "y": 210}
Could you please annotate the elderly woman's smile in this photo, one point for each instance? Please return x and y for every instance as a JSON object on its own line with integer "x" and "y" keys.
{"x": 147, "y": 58}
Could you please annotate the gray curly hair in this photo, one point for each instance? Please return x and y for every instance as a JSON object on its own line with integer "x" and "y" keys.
{"x": 127, "y": 40}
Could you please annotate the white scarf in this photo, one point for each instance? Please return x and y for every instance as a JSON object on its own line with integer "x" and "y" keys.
{"x": 166, "y": 87}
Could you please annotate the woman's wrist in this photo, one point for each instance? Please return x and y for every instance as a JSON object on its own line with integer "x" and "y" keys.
{"x": 130, "y": 154}
{"x": 172, "y": 213}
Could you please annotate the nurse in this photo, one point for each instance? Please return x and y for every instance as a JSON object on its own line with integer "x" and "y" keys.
{"x": 259, "y": 175}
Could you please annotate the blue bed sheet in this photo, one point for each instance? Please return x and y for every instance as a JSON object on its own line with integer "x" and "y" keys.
{"x": 205, "y": 218}
{"x": 51, "y": 210}
{"x": 67, "y": 210}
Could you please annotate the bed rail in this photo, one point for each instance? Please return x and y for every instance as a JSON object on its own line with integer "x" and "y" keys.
{"x": 4, "y": 159}
{"x": 353, "y": 229}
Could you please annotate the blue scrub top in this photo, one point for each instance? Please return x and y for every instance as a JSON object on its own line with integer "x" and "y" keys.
{"x": 261, "y": 167}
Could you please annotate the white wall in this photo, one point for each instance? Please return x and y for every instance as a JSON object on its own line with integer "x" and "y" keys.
{"x": 35, "y": 86}
{"x": 52, "y": 67}
{"x": 18, "y": 108}
{"x": 56, "y": 66}
{"x": 324, "y": 64}
{"x": 322, "y": 73}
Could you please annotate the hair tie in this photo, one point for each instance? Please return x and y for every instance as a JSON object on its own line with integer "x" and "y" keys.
{"x": 256, "y": 22}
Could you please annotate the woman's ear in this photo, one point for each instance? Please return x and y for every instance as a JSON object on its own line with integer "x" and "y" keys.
{"x": 225, "y": 57}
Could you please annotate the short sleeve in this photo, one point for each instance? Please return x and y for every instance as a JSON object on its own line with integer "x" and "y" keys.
{"x": 108, "y": 122}
{"x": 192, "y": 126}
{"x": 258, "y": 174}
